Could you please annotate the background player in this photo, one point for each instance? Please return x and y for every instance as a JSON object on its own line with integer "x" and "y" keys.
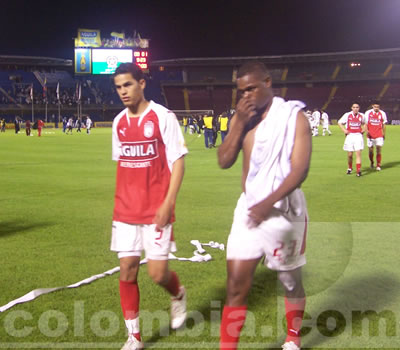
{"x": 270, "y": 217}
{"x": 325, "y": 123}
{"x": 89, "y": 124}
{"x": 149, "y": 147}
{"x": 316, "y": 118}
{"x": 375, "y": 125}
{"x": 351, "y": 124}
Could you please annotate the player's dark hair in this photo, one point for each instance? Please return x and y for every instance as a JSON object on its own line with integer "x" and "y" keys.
{"x": 356, "y": 103}
{"x": 254, "y": 67}
{"x": 375, "y": 102}
{"x": 129, "y": 68}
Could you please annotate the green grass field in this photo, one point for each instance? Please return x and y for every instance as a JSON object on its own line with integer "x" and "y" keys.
{"x": 55, "y": 222}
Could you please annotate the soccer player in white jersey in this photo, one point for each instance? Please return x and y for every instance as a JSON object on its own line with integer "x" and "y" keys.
{"x": 325, "y": 123}
{"x": 375, "y": 122}
{"x": 270, "y": 218}
{"x": 352, "y": 124}
{"x": 316, "y": 116}
{"x": 89, "y": 124}
{"x": 148, "y": 144}
{"x": 310, "y": 119}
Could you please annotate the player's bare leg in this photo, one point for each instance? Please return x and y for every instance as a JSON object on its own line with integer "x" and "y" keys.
{"x": 295, "y": 301}
{"x": 378, "y": 157}
{"x": 371, "y": 155}
{"x": 358, "y": 162}
{"x": 130, "y": 297}
{"x": 160, "y": 274}
{"x": 349, "y": 162}
{"x": 240, "y": 279}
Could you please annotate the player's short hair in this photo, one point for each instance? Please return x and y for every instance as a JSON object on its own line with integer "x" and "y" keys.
{"x": 375, "y": 103}
{"x": 130, "y": 68}
{"x": 254, "y": 67}
{"x": 355, "y": 103}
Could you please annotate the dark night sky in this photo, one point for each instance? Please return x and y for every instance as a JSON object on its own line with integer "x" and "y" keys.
{"x": 204, "y": 28}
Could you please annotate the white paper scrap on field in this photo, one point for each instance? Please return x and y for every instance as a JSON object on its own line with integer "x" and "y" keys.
{"x": 41, "y": 291}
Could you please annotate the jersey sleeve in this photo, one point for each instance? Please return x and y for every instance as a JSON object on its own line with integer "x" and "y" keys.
{"x": 363, "y": 119}
{"x": 384, "y": 117}
{"x": 173, "y": 138}
{"x": 343, "y": 119}
{"x": 116, "y": 144}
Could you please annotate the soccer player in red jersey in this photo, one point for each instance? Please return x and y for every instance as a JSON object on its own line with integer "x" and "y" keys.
{"x": 148, "y": 145}
{"x": 270, "y": 218}
{"x": 28, "y": 127}
{"x": 40, "y": 125}
{"x": 351, "y": 124}
{"x": 375, "y": 125}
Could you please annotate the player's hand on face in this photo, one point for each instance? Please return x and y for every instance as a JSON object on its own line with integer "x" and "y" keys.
{"x": 245, "y": 109}
{"x": 258, "y": 213}
{"x": 163, "y": 216}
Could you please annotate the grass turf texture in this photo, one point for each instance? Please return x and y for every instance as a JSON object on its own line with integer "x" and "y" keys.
{"x": 56, "y": 209}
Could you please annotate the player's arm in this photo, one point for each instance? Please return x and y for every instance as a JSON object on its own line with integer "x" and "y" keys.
{"x": 342, "y": 123}
{"x": 300, "y": 163}
{"x": 229, "y": 150}
{"x": 163, "y": 215}
{"x": 384, "y": 125}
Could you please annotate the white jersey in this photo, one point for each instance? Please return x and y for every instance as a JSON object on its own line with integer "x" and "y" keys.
{"x": 316, "y": 116}
{"x": 89, "y": 123}
{"x": 310, "y": 118}
{"x": 325, "y": 120}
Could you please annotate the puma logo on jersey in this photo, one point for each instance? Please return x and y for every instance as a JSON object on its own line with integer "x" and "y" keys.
{"x": 122, "y": 131}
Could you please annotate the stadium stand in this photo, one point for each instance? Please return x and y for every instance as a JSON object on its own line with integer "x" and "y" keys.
{"x": 328, "y": 80}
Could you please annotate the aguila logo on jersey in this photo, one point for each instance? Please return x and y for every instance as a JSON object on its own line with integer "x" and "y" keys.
{"x": 148, "y": 129}
{"x": 139, "y": 151}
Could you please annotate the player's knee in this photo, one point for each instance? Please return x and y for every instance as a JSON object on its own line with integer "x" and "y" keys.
{"x": 158, "y": 276}
{"x": 237, "y": 289}
{"x": 288, "y": 281}
{"x": 128, "y": 270}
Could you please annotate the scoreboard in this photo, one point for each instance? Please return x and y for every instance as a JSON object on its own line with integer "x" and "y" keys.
{"x": 106, "y": 60}
{"x": 141, "y": 59}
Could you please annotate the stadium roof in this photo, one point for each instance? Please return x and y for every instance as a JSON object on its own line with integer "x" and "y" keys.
{"x": 35, "y": 61}
{"x": 304, "y": 58}
{"x": 222, "y": 61}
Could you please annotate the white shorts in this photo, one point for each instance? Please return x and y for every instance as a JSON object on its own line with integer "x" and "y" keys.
{"x": 353, "y": 142}
{"x": 131, "y": 240}
{"x": 281, "y": 238}
{"x": 375, "y": 142}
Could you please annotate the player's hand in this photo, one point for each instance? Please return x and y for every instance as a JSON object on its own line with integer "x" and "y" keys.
{"x": 163, "y": 216}
{"x": 245, "y": 109}
{"x": 258, "y": 213}
{"x": 346, "y": 132}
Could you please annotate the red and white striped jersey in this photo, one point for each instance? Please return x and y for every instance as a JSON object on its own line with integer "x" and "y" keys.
{"x": 146, "y": 148}
{"x": 352, "y": 122}
{"x": 375, "y": 122}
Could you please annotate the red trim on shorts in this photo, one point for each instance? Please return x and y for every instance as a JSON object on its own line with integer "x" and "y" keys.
{"x": 303, "y": 244}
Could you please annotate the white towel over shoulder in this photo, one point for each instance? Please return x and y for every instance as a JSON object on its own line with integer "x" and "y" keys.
{"x": 272, "y": 149}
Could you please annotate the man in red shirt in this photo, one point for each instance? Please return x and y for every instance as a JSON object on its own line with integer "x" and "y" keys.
{"x": 40, "y": 125}
{"x": 351, "y": 124}
{"x": 375, "y": 125}
{"x": 149, "y": 146}
{"x": 28, "y": 127}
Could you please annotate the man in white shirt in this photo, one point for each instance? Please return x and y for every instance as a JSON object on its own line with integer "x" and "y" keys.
{"x": 325, "y": 123}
